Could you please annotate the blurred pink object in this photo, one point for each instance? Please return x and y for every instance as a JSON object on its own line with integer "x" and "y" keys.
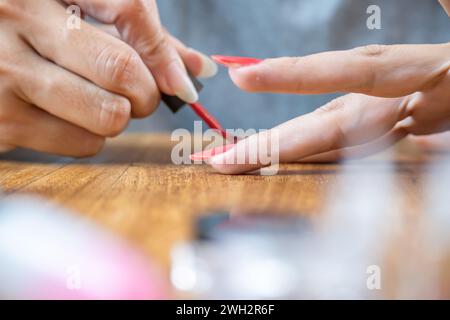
{"x": 46, "y": 253}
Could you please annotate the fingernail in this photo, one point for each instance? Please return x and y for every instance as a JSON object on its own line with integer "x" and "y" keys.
{"x": 222, "y": 158}
{"x": 208, "y": 154}
{"x": 180, "y": 83}
{"x": 209, "y": 68}
{"x": 235, "y": 62}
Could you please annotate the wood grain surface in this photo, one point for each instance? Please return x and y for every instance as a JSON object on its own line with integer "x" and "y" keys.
{"x": 133, "y": 189}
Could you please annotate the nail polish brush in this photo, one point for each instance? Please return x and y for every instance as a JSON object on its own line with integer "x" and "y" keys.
{"x": 175, "y": 104}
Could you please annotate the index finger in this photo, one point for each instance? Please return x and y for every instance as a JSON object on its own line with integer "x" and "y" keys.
{"x": 351, "y": 120}
{"x": 385, "y": 71}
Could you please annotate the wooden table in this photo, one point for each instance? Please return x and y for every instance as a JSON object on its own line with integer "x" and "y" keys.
{"x": 133, "y": 189}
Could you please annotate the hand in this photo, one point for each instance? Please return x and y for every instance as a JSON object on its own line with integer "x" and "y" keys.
{"x": 139, "y": 25}
{"x": 63, "y": 91}
{"x": 396, "y": 91}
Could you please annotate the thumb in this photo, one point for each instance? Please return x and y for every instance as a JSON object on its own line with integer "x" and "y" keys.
{"x": 139, "y": 25}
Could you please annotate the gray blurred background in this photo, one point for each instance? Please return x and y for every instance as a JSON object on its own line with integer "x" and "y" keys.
{"x": 270, "y": 28}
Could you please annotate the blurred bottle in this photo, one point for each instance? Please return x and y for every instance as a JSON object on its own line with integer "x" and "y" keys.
{"x": 46, "y": 253}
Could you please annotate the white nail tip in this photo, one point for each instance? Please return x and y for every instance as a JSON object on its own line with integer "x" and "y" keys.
{"x": 190, "y": 94}
{"x": 209, "y": 68}
{"x": 189, "y": 97}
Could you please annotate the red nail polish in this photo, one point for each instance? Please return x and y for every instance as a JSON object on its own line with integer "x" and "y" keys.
{"x": 211, "y": 121}
{"x": 207, "y": 154}
{"x": 208, "y": 118}
{"x": 235, "y": 62}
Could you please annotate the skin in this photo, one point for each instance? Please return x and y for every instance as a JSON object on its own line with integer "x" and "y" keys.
{"x": 446, "y": 5}
{"x": 394, "y": 92}
{"x": 64, "y": 91}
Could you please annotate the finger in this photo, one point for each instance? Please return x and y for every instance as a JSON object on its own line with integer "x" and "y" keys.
{"x": 108, "y": 29}
{"x": 74, "y": 99}
{"x": 362, "y": 151}
{"x": 385, "y": 71}
{"x": 32, "y": 128}
{"x": 6, "y": 148}
{"x": 446, "y": 5}
{"x": 436, "y": 142}
{"x": 347, "y": 121}
{"x": 139, "y": 24}
{"x": 197, "y": 63}
{"x": 92, "y": 54}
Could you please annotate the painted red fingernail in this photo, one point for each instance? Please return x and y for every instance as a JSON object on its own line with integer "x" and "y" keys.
{"x": 207, "y": 154}
{"x": 235, "y": 62}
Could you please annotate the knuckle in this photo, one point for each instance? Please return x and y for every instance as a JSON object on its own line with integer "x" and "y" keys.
{"x": 372, "y": 55}
{"x": 160, "y": 43}
{"x": 135, "y": 5}
{"x": 295, "y": 63}
{"x": 131, "y": 4}
{"x": 156, "y": 46}
{"x": 107, "y": 114}
{"x": 113, "y": 116}
{"x": 5, "y": 8}
{"x": 9, "y": 8}
{"x": 332, "y": 106}
{"x": 119, "y": 66}
{"x": 17, "y": 11}
{"x": 373, "y": 50}
{"x": 51, "y": 86}
{"x": 336, "y": 132}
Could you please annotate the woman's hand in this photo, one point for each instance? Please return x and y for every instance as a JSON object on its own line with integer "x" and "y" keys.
{"x": 139, "y": 25}
{"x": 64, "y": 90}
{"x": 395, "y": 91}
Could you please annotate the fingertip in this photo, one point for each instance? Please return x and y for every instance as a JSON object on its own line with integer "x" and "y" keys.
{"x": 221, "y": 163}
{"x": 148, "y": 107}
{"x": 225, "y": 168}
{"x": 180, "y": 83}
{"x": 229, "y": 163}
{"x": 91, "y": 145}
{"x": 199, "y": 65}
{"x": 246, "y": 78}
{"x": 234, "y": 169}
{"x": 208, "y": 68}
